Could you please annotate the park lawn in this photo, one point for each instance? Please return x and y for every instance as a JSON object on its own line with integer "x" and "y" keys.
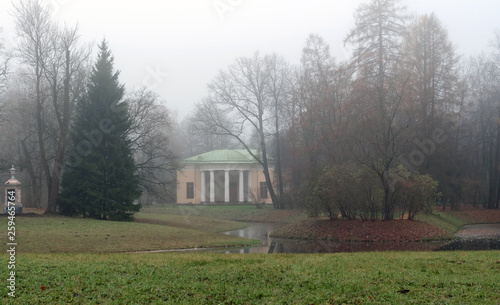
{"x": 65, "y": 234}
{"x": 229, "y": 212}
{"x": 446, "y": 221}
{"x": 206, "y": 224}
{"x": 202, "y": 278}
{"x": 452, "y": 221}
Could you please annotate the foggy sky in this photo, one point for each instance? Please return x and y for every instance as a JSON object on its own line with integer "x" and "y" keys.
{"x": 177, "y": 47}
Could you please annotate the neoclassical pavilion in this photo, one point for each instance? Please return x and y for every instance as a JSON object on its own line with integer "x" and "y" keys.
{"x": 227, "y": 176}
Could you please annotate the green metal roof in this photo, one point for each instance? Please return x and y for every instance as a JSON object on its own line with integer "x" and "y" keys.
{"x": 223, "y": 156}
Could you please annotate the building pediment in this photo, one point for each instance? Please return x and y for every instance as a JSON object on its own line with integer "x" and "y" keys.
{"x": 224, "y": 156}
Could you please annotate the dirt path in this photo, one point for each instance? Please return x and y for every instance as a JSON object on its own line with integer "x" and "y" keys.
{"x": 480, "y": 231}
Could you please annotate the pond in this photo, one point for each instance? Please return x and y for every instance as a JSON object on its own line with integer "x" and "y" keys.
{"x": 473, "y": 237}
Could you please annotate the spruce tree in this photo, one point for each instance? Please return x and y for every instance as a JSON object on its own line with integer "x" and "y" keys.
{"x": 99, "y": 179}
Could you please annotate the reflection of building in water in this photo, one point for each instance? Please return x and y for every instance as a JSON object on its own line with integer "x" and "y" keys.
{"x": 258, "y": 231}
{"x": 230, "y": 176}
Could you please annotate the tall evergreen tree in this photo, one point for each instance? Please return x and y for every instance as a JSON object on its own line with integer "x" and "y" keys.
{"x": 99, "y": 180}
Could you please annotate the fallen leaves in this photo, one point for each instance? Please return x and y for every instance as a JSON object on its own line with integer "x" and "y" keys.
{"x": 477, "y": 215}
{"x": 365, "y": 231}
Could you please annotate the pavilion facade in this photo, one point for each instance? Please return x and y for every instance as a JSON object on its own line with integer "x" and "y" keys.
{"x": 222, "y": 176}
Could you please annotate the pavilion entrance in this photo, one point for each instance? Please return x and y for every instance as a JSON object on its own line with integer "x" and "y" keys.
{"x": 225, "y": 186}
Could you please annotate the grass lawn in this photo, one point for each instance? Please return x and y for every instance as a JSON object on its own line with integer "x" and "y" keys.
{"x": 64, "y": 234}
{"x": 445, "y": 221}
{"x": 229, "y": 212}
{"x": 61, "y": 260}
{"x": 201, "y": 278}
{"x": 205, "y": 224}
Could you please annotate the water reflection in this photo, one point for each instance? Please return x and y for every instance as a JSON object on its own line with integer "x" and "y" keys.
{"x": 261, "y": 231}
{"x": 472, "y": 244}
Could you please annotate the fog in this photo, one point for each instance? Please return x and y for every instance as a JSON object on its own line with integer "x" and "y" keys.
{"x": 176, "y": 47}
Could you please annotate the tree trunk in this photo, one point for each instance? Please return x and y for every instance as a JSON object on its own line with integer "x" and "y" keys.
{"x": 265, "y": 165}
{"x": 278, "y": 157}
{"x": 34, "y": 185}
{"x": 387, "y": 197}
{"x": 61, "y": 147}
{"x": 39, "y": 121}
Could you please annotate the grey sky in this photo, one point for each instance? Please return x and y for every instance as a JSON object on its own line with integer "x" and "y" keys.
{"x": 177, "y": 47}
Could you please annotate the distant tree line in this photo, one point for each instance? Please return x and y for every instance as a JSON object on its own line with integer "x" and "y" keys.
{"x": 404, "y": 124}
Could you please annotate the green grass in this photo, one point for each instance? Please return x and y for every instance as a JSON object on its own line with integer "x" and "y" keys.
{"x": 192, "y": 222}
{"x": 83, "y": 275}
{"x": 168, "y": 227}
{"x": 64, "y": 234}
{"x": 229, "y": 212}
{"x": 196, "y": 278}
{"x": 445, "y": 221}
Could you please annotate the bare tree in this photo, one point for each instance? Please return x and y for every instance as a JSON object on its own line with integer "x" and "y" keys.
{"x": 307, "y": 109}
{"x": 485, "y": 120}
{"x": 34, "y": 28}
{"x": 437, "y": 93}
{"x": 56, "y": 61}
{"x": 19, "y": 145}
{"x": 432, "y": 66}
{"x": 377, "y": 36}
{"x": 4, "y": 60}
{"x": 241, "y": 92}
{"x": 494, "y": 189}
{"x": 280, "y": 94}
{"x": 150, "y": 132}
{"x": 198, "y": 137}
{"x": 72, "y": 59}
{"x": 316, "y": 80}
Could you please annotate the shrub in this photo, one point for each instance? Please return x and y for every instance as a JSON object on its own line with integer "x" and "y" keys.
{"x": 352, "y": 192}
{"x": 414, "y": 192}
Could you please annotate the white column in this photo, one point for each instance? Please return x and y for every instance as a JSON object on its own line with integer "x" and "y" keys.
{"x": 212, "y": 186}
{"x": 203, "y": 199}
{"x": 249, "y": 186}
{"x": 226, "y": 186}
{"x": 240, "y": 186}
